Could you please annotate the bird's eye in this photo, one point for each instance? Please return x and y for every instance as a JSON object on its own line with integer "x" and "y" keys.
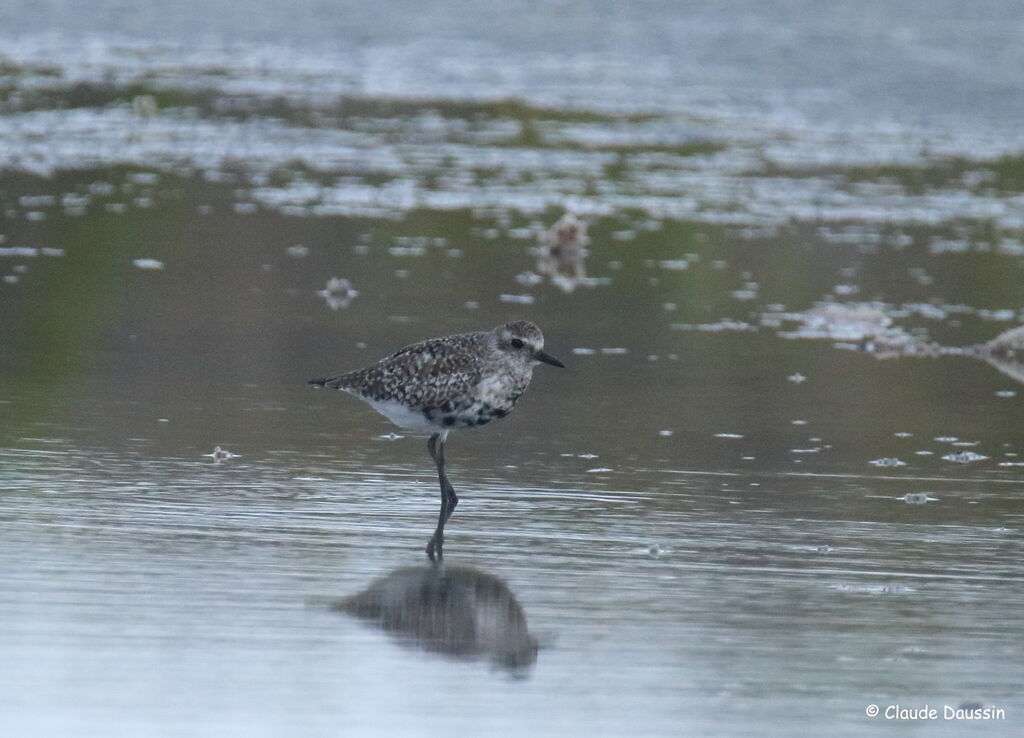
{"x": 516, "y": 343}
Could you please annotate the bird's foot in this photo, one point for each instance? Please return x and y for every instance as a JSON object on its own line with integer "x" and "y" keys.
{"x": 434, "y": 549}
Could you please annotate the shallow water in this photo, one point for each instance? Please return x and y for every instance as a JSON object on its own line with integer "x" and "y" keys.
{"x": 739, "y": 509}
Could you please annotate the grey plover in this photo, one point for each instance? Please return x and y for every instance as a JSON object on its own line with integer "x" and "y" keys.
{"x": 444, "y": 384}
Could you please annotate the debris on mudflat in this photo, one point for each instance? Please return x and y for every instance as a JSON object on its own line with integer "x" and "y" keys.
{"x": 338, "y": 293}
{"x": 964, "y": 457}
{"x": 145, "y": 106}
{"x": 1005, "y": 352}
{"x": 1008, "y": 345}
{"x": 887, "y": 462}
{"x": 854, "y": 321}
{"x": 529, "y": 279}
{"x": 220, "y": 454}
{"x": 563, "y": 252}
{"x": 868, "y": 327}
{"x": 917, "y": 498}
{"x": 518, "y": 299}
{"x": 725, "y": 324}
{"x": 902, "y": 345}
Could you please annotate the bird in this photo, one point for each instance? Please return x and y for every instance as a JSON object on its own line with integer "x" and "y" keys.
{"x": 455, "y": 382}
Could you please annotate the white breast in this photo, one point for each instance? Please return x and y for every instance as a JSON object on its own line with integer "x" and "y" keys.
{"x": 495, "y": 389}
{"x": 401, "y": 415}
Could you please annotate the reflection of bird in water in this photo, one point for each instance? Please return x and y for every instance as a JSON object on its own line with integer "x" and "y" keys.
{"x": 1005, "y": 352}
{"x": 563, "y": 252}
{"x": 457, "y": 611}
{"x": 443, "y": 384}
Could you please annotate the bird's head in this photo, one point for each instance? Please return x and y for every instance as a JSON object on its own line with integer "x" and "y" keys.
{"x": 523, "y": 338}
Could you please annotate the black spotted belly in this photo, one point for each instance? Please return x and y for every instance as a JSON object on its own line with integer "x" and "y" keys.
{"x": 471, "y": 416}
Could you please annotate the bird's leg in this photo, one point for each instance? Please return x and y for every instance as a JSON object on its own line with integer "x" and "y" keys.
{"x": 448, "y": 498}
{"x": 446, "y": 486}
{"x": 436, "y": 543}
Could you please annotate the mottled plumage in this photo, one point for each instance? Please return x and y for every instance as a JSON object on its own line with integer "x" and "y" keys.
{"x": 442, "y": 384}
{"x": 458, "y": 381}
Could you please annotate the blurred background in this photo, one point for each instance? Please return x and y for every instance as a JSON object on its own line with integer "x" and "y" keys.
{"x": 779, "y": 246}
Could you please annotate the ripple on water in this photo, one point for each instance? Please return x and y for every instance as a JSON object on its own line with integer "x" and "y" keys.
{"x": 888, "y": 588}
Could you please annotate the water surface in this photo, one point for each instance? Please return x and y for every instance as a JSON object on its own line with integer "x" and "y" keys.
{"x": 770, "y": 489}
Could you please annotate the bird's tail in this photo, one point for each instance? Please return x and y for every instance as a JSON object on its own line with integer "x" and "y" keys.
{"x": 328, "y": 382}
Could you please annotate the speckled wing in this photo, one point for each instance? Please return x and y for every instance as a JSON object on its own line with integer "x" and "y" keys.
{"x": 430, "y": 374}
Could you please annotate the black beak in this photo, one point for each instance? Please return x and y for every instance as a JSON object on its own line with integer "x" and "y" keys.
{"x": 548, "y": 359}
